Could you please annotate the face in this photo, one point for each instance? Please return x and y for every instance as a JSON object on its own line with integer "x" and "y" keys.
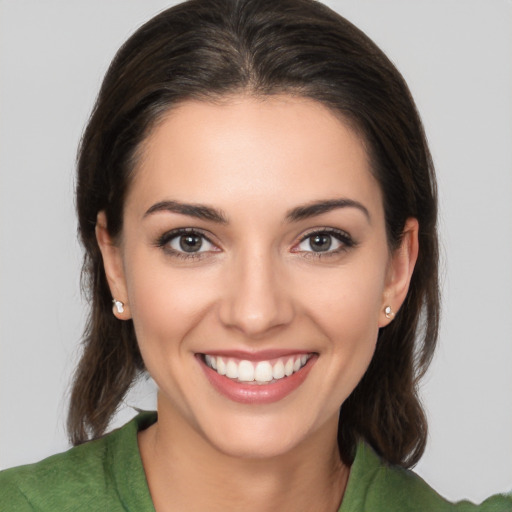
{"x": 254, "y": 263}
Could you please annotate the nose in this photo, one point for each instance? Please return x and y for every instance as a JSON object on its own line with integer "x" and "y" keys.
{"x": 257, "y": 299}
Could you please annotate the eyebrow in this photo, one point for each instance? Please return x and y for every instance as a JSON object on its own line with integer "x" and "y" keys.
{"x": 319, "y": 207}
{"x": 299, "y": 213}
{"x": 198, "y": 211}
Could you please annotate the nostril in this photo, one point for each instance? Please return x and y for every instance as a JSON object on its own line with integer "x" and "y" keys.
{"x": 255, "y": 298}
{"x": 253, "y": 318}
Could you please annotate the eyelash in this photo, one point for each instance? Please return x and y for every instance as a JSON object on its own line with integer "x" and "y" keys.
{"x": 346, "y": 241}
{"x": 164, "y": 241}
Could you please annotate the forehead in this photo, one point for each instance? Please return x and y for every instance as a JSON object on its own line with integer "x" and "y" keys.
{"x": 282, "y": 149}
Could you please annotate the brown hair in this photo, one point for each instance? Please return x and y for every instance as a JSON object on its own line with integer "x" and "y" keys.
{"x": 206, "y": 49}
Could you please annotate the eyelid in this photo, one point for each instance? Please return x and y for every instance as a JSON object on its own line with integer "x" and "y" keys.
{"x": 163, "y": 242}
{"x": 340, "y": 235}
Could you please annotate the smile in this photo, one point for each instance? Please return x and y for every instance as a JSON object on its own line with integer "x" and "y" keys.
{"x": 257, "y": 372}
{"x": 254, "y": 379}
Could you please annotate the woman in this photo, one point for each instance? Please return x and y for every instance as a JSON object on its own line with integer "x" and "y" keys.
{"x": 257, "y": 203}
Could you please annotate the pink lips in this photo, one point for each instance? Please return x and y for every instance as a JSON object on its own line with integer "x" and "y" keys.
{"x": 257, "y": 393}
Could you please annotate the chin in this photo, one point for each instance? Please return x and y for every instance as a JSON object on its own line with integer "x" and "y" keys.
{"x": 254, "y": 445}
{"x": 257, "y": 436}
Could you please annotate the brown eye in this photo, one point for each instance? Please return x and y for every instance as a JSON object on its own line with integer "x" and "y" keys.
{"x": 190, "y": 243}
{"x": 186, "y": 242}
{"x": 325, "y": 241}
{"x": 320, "y": 242}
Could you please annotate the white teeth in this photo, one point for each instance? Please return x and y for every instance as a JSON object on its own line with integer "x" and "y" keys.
{"x": 261, "y": 372}
{"x": 278, "y": 370}
{"x": 245, "y": 371}
{"x": 232, "y": 370}
{"x": 221, "y": 366}
{"x": 288, "y": 367}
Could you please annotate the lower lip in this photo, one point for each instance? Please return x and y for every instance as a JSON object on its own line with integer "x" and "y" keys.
{"x": 257, "y": 393}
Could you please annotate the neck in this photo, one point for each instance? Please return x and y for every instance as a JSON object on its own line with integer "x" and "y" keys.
{"x": 185, "y": 472}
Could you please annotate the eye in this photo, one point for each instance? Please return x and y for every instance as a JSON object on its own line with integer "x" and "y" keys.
{"x": 191, "y": 242}
{"x": 319, "y": 242}
{"x": 326, "y": 241}
{"x": 186, "y": 242}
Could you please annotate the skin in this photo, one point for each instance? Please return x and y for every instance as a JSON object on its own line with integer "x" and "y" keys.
{"x": 257, "y": 284}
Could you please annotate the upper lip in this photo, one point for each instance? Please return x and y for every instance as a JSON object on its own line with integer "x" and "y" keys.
{"x": 260, "y": 355}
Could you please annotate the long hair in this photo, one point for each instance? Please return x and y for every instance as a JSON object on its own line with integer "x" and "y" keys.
{"x": 207, "y": 49}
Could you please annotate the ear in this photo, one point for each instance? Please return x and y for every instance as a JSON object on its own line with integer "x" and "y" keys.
{"x": 400, "y": 269}
{"x": 114, "y": 268}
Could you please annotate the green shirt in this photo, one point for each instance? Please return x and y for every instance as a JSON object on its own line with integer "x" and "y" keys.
{"x": 107, "y": 475}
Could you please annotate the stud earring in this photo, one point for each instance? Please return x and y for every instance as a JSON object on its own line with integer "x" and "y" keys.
{"x": 118, "y": 305}
{"x": 389, "y": 313}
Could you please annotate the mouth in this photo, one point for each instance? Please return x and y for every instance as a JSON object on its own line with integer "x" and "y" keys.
{"x": 256, "y": 379}
{"x": 256, "y": 372}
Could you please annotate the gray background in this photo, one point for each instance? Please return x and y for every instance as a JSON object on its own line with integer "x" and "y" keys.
{"x": 456, "y": 56}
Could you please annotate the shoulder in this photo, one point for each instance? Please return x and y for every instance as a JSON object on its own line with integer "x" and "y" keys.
{"x": 78, "y": 473}
{"x": 83, "y": 478}
{"x": 377, "y": 486}
{"x": 62, "y": 482}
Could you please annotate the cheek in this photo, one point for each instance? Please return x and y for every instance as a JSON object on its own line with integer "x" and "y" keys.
{"x": 345, "y": 306}
{"x": 165, "y": 303}
{"x": 346, "y": 299}
{"x": 352, "y": 341}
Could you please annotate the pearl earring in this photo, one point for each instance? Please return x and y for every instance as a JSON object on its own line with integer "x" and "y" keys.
{"x": 118, "y": 305}
{"x": 389, "y": 313}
